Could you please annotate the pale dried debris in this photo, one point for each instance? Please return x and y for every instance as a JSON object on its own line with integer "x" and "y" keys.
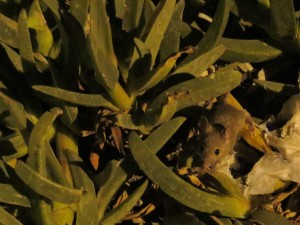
{"x": 276, "y": 169}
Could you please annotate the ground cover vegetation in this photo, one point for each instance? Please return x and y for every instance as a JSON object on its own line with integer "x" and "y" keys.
{"x": 99, "y": 98}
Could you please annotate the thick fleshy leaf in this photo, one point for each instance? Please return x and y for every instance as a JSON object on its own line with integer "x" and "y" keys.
{"x": 248, "y": 50}
{"x": 188, "y": 93}
{"x": 70, "y": 112}
{"x": 42, "y": 211}
{"x": 253, "y": 12}
{"x": 120, "y": 6}
{"x": 40, "y": 131}
{"x": 8, "y": 31}
{"x": 24, "y": 41}
{"x": 171, "y": 42}
{"x": 113, "y": 177}
{"x": 182, "y": 191}
{"x": 282, "y": 20}
{"x": 153, "y": 32}
{"x": 87, "y": 212}
{"x": 124, "y": 208}
{"x": 14, "y": 57}
{"x": 38, "y": 138}
{"x": 116, "y": 173}
{"x": 277, "y": 87}
{"x": 149, "y": 80}
{"x": 7, "y": 218}
{"x": 200, "y": 62}
{"x": 269, "y": 218}
{"x": 75, "y": 98}
{"x": 45, "y": 187}
{"x": 53, "y": 6}
{"x": 37, "y": 21}
{"x": 15, "y": 144}
{"x": 214, "y": 32}
{"x": 10, "y": 195}
{"x": 133, "y": 11}
{"x": 79, "y": 9}
{"x": 16, "y": 109}
{"x": 100, "y": 46}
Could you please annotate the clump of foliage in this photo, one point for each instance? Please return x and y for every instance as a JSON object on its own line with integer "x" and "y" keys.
{"x": 92, "y": 90}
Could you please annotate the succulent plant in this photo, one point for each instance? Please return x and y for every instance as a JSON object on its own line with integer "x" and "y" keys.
{"x": 81, "y": 80}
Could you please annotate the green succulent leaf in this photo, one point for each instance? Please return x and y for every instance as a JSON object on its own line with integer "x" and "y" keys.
{"x": 15, "y": 144}
{"x": 87, "y": 212}
{"x": 11, "y": 195}
{"x": 217, "y": 27}
{"x": 188, "y": 93}
{"x": 269, "y": 218}
{"x": 38, "y": 138}
{"x": 120, "y": 6}
{"x": 24, "y": 42}
{"x": 253, "y": 12}
{"x": 39, "y": 134}
{"x": 90, "y": 100}
{"x": 182, "y": 191}
{"x": 42, "y": 211}
{"x": 222, "y": 181}
{"x": 79, "y": 9}
{"x": 7, "y": 218}
{"x": 37, "y": 22}
{"x": 100, "y": 46}
{"x": 214, "y": 32}
{"x": 124, "y": 208}
{"x": 277, "y": 87}
{"x": 200, "y": 62}
{"x": 45, "y": 187}
{"x": 282, "y": 20}
{"x": 63, "y": 213}
{"x": 171, "y": 42}
{"x": 149, "y": 80}
{"x": 248, "y": 50}
{"x": 129, "y": 121}
{"x": 14, "y": 57}
{"x": 132, "y": 14}
{"x": 163, "y": 133}
{"x": 153, "y": 32}
{"x": 113, "y": 177}
{"x": 70, "y": 112}
{"x": 8, "y": 31}
{"x": 53, "y": 6}
{"x": 116, "y": 173}
{"x": 16, "y": 109}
